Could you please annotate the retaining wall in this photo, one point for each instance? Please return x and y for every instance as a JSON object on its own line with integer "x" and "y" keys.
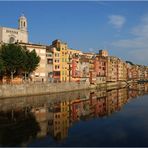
{"x": 39, "y": 88}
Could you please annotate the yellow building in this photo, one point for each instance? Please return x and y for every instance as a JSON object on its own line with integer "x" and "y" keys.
{"x": 121, "y": 70}
{"x": 63, "y": 49}
{"x": 112, "y": 72}
{"x": 65, "y": 59}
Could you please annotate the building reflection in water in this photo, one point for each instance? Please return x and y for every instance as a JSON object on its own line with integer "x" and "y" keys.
{"x": 19, "y": 125}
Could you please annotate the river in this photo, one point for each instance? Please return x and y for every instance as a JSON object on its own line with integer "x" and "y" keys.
{"x": 117, "y": 117}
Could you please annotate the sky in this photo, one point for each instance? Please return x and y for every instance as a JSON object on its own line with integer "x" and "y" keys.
{"x": 119, "y": 27}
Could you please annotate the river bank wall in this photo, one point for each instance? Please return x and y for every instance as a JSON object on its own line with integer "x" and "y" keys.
{"x": 8, "y": 90}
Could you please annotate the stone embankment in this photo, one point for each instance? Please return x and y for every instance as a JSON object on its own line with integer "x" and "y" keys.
{"x": 39, "y": 88}
{"x": 49, "y": 88}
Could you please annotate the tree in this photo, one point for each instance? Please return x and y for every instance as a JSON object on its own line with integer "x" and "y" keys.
{"x": 13, "y": 58}
{"x": 17, "y": 60}
{"x": 129, "y": 62}
{"x": 31, "y": 62}
{"x": 1, "y": 65}
{"x": 1, "y": 69}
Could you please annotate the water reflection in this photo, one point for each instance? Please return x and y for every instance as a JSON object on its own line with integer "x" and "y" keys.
{"x": 27, "y": 118}
{"x": 17, "y": 127}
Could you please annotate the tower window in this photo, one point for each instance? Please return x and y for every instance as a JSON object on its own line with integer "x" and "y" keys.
{"x": 24, "y": 24}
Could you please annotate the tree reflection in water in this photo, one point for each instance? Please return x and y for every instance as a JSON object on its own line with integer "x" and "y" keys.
{"x": 17, "y": 128}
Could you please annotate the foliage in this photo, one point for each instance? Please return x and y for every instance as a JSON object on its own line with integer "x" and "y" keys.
{"x": 31, "y": 61}
{"x": 1, "y": 65}
{"x": 129, "y": 62}
{"x": 17, "y": 60}
{"x": 12, "y": 56}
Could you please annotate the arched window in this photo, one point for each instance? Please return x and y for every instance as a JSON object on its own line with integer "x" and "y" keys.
{"x": 11, "y": 40}
{"x": 24, "y": 24}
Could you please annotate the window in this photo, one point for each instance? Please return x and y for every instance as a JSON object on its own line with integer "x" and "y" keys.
{"x": 49, "y": 61}
{"x": 11, "y": 40}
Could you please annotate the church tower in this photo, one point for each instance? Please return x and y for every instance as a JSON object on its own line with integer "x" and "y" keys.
{"x": 13, "y": 35}
{"x": 22, "y": 23}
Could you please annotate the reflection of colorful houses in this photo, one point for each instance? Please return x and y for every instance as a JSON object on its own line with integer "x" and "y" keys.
{"x": 146, "y": 87}
{"x": 98, "y": 104}
{"x": 41, "y": 114}
{"x": 54, "y": 119}
{"x": 133, "y": 92}
{"x": 122, "y": 97}
{"x": 79, "y": 109}
{"x": 112, "y": 102}
{"x": 86, "y": 108}
{"x": 59, "y": 120}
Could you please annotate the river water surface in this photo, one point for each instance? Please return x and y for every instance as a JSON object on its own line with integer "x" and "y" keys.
{"x": 117, "y": 117}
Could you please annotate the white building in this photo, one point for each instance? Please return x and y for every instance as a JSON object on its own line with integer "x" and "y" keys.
{"x": 11, "y": 35}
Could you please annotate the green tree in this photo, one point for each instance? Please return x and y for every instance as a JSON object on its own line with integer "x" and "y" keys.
{"x": 13, "y": 58}
{"x": 31, "y": 62}
{"x": 1, "y": 69}
{"x": 1, "y": 65}
{"x": 17, "y": 60}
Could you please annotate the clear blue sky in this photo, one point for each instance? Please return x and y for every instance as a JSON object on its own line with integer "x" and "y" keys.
{"x": 120, "y": 27}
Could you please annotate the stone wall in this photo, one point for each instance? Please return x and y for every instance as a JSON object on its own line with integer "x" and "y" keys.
{"x": 39, "y": 88}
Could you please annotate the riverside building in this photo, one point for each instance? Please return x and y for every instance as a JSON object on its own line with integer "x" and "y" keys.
{"x": 59, "y": 63}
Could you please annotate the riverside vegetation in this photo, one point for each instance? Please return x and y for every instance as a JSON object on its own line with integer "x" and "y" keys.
{"x": 17, "y": 61}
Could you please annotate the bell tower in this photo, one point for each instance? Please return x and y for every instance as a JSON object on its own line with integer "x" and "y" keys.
{"x": 22, "y": 23}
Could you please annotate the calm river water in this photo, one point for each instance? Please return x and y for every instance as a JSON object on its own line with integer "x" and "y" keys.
{"x": 117, "y": 117}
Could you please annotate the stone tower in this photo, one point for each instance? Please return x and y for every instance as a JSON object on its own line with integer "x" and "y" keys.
{"x": 22, "y": 23}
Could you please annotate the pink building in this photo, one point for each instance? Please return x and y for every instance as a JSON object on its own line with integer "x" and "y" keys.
{"x": 75, "y": 67}
{"x": 100, "y": 65}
